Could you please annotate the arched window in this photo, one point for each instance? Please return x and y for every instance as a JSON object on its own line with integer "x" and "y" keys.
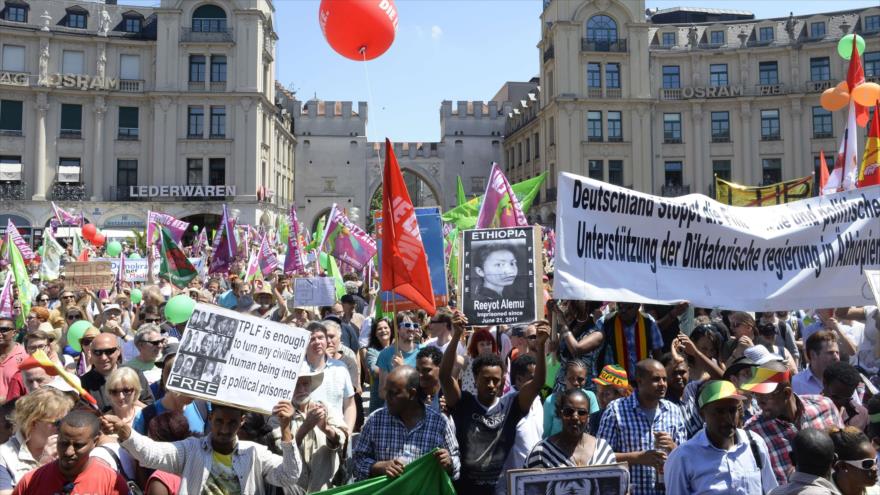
{"x": 209, "y": 19}
{"x": 601, "y": 28}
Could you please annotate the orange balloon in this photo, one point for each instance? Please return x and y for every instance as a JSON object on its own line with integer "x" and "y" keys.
{"x": 833, "y": 100}
{"x": 866, "y": 94}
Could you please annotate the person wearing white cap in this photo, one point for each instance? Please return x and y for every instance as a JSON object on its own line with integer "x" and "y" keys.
{"x": 112, "y": 316}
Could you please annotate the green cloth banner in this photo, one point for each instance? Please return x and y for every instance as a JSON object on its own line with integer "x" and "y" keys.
{"x": 460, "y": 196}
{"x": 465, "y": 216}
{"x": 421, "y": 477}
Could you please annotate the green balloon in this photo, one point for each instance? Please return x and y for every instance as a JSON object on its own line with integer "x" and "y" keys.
{"x": 179, "y": 308}
{"x": 75, "y": 333}
{"x": 113, "y": 249}
{"x": 844, "y": 46}
{"x": 134, "y": 256}
{"x": 195, "y": 228}
{"x": 41, "y": 250}
{"x": 136, "y": 296}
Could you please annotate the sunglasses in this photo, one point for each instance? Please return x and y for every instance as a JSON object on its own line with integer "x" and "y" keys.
{"x": 124, "y": 391}
{"x": 155, "y": 342}
{"x": 105, "y": 352}
{"x": 7, "y": 329}
{"x": 863, "y": 464}
{"x": 409, "y": 325}
{"x": 74, "y": 317}
{"x": 85, "y": 342}
{"x": 568, "y": 412}
{"x": 43, "y": 299}
{"x": 152, "y": 320}
{"x": 68, "y": 296}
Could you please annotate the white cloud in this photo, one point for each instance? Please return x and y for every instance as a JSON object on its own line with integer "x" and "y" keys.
{"x": 436, "y": 32}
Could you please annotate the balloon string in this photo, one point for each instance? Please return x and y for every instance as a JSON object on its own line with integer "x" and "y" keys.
{"x": 363, "y": 51}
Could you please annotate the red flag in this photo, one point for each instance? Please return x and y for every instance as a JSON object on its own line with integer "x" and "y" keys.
{"x": 855, "y": 75}
{"x": 404, "y": 262}
{"x": 823, "y": 172}
{"x": 869, "y": 172}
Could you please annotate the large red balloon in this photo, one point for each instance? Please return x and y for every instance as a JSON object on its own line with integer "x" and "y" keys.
{"x": 99, "y": 240}
{"x": 89, "y": 230}
{"x": 358, "y": 29}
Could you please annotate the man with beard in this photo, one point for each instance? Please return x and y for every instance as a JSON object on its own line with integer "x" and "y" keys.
{"x": 486, "y": 423}
{"x": 643, "y": 428}
{"x": 721, "y": 458}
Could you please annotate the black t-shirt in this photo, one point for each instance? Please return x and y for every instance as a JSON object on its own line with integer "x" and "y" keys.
{"x": 485, "y": 437}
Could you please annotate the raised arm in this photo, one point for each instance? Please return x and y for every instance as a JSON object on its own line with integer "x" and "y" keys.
{"x": 451, "y": 391}
{"x": 532, "y": 388}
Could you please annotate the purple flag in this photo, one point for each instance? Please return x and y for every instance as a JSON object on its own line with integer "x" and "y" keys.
{"x": 267, "y": 259}
{"x": 294, "y": 262}
{"x": 201, "y": 240}
{"x": 175, "y": 227}
{"x": 66, "y": 218}
{"x": 346, "y": 241}
{"x": 225, "y": 246}
{"x": 499, "y": 194}
{"x": 6, "y": 296}
{"x": 12, "y": 234}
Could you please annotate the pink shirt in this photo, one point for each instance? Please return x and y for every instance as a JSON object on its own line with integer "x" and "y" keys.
{"x": 171, "y": 481}
{"x": 9, "y": 367}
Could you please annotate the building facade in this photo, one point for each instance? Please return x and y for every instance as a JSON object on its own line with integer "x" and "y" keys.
{"x": 115, "y": 110}
{"x": 663, "y": 101}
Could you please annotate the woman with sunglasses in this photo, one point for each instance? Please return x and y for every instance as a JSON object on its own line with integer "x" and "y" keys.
{"x": 855, "y": 471}
{"x": 572, "y": 446}
{"x": 37, "y": 316}
{"x": 84, "y": 360}
{"x": 124, "y": 388}
{"x": 33, "y": 444}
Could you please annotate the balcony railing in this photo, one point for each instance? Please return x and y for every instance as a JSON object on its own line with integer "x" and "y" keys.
{"x": 671, "y": 140}
{"x": 818, "y": 86}
{"x": 594, "y": 139}
{"x": 187, "y": 35}
{"x": 670, "y": 94}
{"x": 721, "y": 138}
{"x": 613, "y": 93}
{"x": 588, "y": 45}
{"x": 594, "y": 92}
{"x": 197, "y": 86}
{"x": 71, "y": 133}
{"x": 128, "y": 134}
{"x": 822, "y": 135}
{"x": 674, "y": 190}
{"x": 11, "y": 132}
{"x": 218, "y": 86}
{"x": 131, "y": 85}
{"x": 548, "y": 53}
{"x": 771, "y": 137}
{"x": 12, "y": 191}
{"x": 68, "y": 191}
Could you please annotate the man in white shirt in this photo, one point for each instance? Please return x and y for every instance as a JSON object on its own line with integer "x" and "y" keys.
{"x": 529, "y": 429}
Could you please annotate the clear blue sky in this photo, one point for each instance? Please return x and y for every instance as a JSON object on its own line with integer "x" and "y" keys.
{"x": 444, "y": 50}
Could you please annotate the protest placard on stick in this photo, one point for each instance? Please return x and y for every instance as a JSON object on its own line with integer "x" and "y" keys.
{"x": 500, "y": 276}
{"x": 236, "y": 359}
{"x": 314, "y": 291}
{"x": 88, "y": 275}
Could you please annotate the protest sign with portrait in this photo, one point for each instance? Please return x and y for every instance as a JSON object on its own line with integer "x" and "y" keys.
{"x": 609, "y": 479}
{"x": 237, "y": 359}
{"x": 500, "y": 276}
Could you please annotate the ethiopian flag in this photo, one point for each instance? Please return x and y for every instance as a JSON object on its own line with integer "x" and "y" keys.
{"x": 175, "y": 265}
{"x": 422, "y": 476}
{"x": 869, "y": 172}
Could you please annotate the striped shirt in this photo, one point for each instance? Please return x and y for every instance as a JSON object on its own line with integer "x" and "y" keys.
{"x": 547, "y": 455}
{"x": 814, "y": 411}
{"x": 688, "y": 404}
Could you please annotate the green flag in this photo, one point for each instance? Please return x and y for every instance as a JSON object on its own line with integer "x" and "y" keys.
{"x": 462, "y": 199}
{"x": 465, "y": 216}
{"x": 175, "y": 265}
{"x": 328, "y": 263}
{"x": 19, "y": 271}
{"x": 422, "y": 476}
{"x": 317, "y": 235}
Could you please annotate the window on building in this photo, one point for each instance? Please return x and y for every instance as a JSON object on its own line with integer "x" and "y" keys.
{"x": 77, "y": 19}
{"x": 132, "y": 24}
{"x": 10, "y": 168}
{"x": 218, "y": 121}
{"x": 772, "y": 170}
{"x": 72, "y": 62}
{"x": 194, "y": 171}
{"x": 871, "y": 62}
{"x": 69, "y": 170}
{"x": 820, "y": 69}
{"x": 126, "y": 175}
{"x": 720, "y": 127}
{"x": 721, "y": 169}
{"x": 615, "y": 172}
{"x": 872, "y": 23}
{"x": 718, "y": 75}
{"x": 615, "y": 126}
{"x": 770, "y": 125}
{"x": 817, "y": 30}
{"x": 128, "y": 123}
{"x": 519, "y": 160}
{"x": 596, "y": 169}
{"x": 217, "y": 172}
{"x": 209, "y": 19}
{"x": 537, "y": 146}
{"x": 671, "y": 77}
{"x": 768, "y": 73}
{"x": 15, "y": 12}
{"x": 11, "y": 117}
{"x": 594, "y": 126}
{"x": 673, "y": 176}
{"x": 822, "y": 123}
{"x": 196, "y": 68}
{"x": 130, "y": 67}
{"x": 218, "y": 68}
{"x": 716, "y": 37}
{"x": 13, "y": 58}
{"x": 667, "y": 39}
{"x": 601, "y": 28}
{"x": 671, "y": 127}
{"x": 594, "y": 75}
{"x": 551, "y": 131}
{"x": 71, "y": 120}
{"x": 195, "y": 127}
{"x": 528, "y": 150}
{"x": 612, "y": 75}
{"x": 765, "y": 34}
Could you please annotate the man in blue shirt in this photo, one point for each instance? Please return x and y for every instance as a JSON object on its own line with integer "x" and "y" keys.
{"x": 721, "y": 458}
{"x": 238, "y": 297}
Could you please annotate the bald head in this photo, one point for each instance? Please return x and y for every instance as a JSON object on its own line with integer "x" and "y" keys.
{"x": 105, "y": 353}
{"x": 405, "y": 376}
{"x": 104, "y": 340}
{"x": 646, "y": 367}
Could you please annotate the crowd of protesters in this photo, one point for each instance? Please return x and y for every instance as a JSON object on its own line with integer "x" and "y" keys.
{"x": 726, "y": 402}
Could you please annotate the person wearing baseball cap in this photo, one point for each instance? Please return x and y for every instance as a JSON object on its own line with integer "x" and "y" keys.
{"x": 612, "y": 384}
{"x": 784, "y": 413}
{"x": 720, "y": 458}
